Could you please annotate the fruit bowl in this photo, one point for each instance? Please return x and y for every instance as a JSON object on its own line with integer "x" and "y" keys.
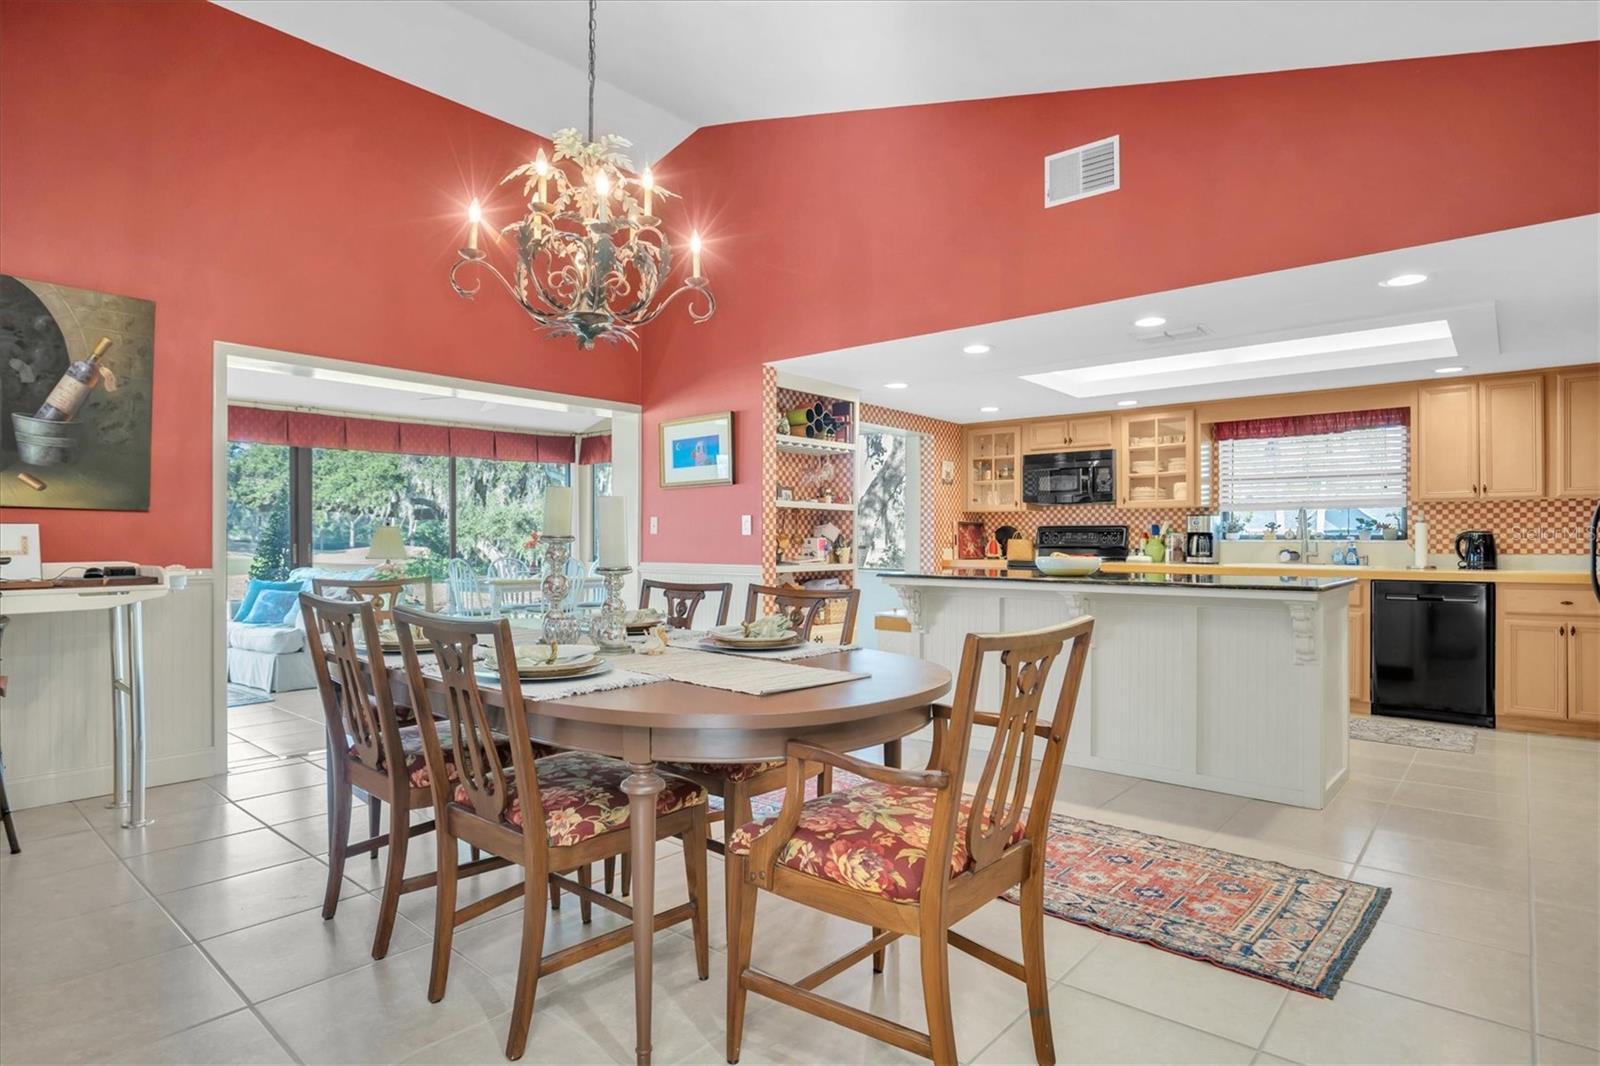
{"x": 1067, "y": 565}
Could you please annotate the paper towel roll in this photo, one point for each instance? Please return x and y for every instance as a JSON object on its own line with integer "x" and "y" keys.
{"x": 1419, "y": 539}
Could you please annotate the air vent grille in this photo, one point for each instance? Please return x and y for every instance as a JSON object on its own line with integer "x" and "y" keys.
{"x": 1087, "y": 170}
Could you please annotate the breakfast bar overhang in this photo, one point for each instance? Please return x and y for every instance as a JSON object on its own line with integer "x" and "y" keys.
{"x": 1233, "y": 684}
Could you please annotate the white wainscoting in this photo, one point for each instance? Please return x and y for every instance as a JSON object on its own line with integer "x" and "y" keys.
{"x": 55, "y": 723}
{"x": 741, "y": 576}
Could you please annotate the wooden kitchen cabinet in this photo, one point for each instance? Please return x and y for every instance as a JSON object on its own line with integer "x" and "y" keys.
{"x": 1158, "y": 452}
{"x": 1583, "y": 673}
{"x": 1547, "y": 662}
{"x": 1070, "y": 434}
{"x": 1481, "y": 440}
{"x": 1447, "y": 441}
{"x": 1511, "y": 438}
{"x": 993, "y": 475}
{"x": 1360, "y": 649}
{"x": 1576, "y": 445}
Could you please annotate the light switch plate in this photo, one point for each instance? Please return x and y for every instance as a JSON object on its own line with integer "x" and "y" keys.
{"x": 744, "y": 525}
{"x": 654, "y": 528}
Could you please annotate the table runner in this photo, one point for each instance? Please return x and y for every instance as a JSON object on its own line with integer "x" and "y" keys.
{"x": 736, "y": 673}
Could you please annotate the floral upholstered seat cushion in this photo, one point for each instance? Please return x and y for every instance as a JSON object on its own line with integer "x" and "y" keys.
{"x": 416, "y": 760}
{"x": 733, "y": 771}
{"x": 871, "y": 837}
{"x": 583, "y": 797}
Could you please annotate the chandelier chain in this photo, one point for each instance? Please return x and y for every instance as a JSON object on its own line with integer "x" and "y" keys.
{"x": 592, "y": 5}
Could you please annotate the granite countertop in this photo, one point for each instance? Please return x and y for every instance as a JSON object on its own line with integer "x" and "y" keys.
{"x": 1143, "y": 580}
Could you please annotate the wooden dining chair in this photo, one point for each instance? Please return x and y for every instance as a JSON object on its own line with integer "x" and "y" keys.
{"x": 574, "y": 802}
{"x": 370, "y": 749}
{"x": 683, "y": 600}
{"x": 804, "y": 606}
{"x": 737, "y": 784}
{"x": 385, "y": 592}
{"x": 906, "y": 853}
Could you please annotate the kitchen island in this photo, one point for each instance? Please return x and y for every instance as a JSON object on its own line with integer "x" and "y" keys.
{"x": 1232, "y": 683}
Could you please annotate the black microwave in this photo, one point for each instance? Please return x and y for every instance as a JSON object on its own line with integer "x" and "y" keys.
{"x": 1069, "y": 477}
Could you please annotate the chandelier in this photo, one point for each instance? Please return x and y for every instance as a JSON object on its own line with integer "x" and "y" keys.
{"x": 591, "y": 258}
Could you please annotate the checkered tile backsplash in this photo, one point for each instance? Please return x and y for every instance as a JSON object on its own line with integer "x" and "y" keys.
{"x": 1520, "y": 527}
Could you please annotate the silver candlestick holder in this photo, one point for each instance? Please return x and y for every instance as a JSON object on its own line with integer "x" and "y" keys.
{"x": 609, "y": 628}
{"x": 560, "y": 625}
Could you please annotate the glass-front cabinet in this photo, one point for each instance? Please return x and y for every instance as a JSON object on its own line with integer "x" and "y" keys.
{"x": 1157, "y": 467}
{"x": 994, "y": 468}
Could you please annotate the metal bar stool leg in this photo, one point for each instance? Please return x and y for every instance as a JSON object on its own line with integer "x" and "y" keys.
{"x": 5, "y": 811}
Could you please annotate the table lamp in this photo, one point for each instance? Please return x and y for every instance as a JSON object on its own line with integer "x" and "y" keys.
{"x": 388, "y": 547}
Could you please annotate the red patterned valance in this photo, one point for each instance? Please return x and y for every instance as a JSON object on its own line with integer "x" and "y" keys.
{"x": 1308, "y": 425}
{"x": 260, "y": 425}
{"x": 471, "y": 443}
{"x": 257, "y": 425}
{"x": 315, "y": 431}
{"x": 592, "y": 450}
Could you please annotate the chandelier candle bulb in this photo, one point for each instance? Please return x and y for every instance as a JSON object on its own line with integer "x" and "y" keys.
{"x": 602, "y": 193}
{"x": 474, "y": 216}
{"x": 613, "y": 520}
{"x": 558, "y": 511}
{"x": 694, "y": 253}
{"x": 648, "y": 181}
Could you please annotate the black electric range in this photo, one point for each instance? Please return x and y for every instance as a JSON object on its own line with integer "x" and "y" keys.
{"x": 1108, "y": 542}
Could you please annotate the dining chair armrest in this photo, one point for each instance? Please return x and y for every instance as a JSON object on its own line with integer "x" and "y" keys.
{"x": 887, "y": 775}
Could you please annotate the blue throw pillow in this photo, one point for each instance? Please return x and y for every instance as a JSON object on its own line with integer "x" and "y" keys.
{"x": 257, "y": 587}
{"x": 273, "y": 607}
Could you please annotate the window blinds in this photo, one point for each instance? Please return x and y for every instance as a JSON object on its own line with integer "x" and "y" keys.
{"x": 1357, "y": 468}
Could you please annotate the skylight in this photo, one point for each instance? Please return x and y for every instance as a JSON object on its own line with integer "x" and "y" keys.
{"x": 1415, "y": 342}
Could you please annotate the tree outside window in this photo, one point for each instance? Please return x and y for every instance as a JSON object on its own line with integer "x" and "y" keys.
{"x": 881, "y": 513}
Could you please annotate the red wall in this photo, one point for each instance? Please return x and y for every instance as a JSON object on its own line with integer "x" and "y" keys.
{"x": 261, "y": 191}
{"x": 838, "y": 230}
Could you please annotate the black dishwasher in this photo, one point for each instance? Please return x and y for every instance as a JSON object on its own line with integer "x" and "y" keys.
{"x": 1433, "y": 651}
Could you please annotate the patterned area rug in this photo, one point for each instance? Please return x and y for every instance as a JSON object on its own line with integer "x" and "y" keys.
{"x": 244, "y": 696}
{"x": 1297, "y": 928}
{"x": 1412, "y": 734}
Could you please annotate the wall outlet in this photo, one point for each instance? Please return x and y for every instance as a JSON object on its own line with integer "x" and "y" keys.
{"x": 654, "y": 525}
{"x": 744, "y": 525}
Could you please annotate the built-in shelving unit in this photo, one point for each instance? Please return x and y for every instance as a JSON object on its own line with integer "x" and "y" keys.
{"x": 814, "y": 446}
{"x": 1157, "y": 467}
{"x": 813, "y": 505}
{"x": 821, "y": 464}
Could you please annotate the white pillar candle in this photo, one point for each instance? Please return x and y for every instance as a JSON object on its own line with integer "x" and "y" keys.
{"x": 558, "y": 511}
{"x": 613, "y": 518}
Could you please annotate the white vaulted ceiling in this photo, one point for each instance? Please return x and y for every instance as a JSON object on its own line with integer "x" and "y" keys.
{"x": 668, "y": 67}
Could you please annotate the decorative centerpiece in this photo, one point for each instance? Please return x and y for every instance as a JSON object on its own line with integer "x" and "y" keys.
{"x": 561, "y": 626}
{"x": 610, "y": 626}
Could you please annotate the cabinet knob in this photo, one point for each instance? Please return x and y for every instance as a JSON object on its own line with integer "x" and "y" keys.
{"x": 1566, "y": 603}
{"x": 1562, "y": 631}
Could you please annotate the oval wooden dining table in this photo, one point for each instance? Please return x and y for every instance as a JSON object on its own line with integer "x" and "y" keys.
{"x": 673, "y": 721}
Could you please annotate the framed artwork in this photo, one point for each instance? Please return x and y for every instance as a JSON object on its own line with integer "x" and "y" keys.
{"x": 697, "y": 451}
{"x": 970, "y": 539}
{"x": 76, "y": 376}
{"x": 785, "y": 492}
{"x": 19, "y": 552}
{"x": 947, "y": 472}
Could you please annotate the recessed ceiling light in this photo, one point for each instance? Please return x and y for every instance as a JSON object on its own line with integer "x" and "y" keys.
{"x": 1127, "y": 403}
{"x": 988, "y": 410}
{"x": 976, "y": 349}
{"x": 1400, "y": 281}
{"x": 895, "y": 385}
{"x": 1448, "y": 369}
{"x": 1149, "y": 321}
{"x": 1414, "y": 343}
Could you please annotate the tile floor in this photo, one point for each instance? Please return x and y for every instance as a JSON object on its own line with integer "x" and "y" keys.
{"x": 199, "y": 938}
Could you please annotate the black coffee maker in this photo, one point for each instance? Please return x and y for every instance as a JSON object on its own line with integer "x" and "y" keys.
{"x": 1475, "y": 550}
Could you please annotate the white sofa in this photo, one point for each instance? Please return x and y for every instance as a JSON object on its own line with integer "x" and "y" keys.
{"x": 277, "y": 658}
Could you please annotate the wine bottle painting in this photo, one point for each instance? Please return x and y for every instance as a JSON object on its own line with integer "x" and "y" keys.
{"x": 76, "y": 374}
